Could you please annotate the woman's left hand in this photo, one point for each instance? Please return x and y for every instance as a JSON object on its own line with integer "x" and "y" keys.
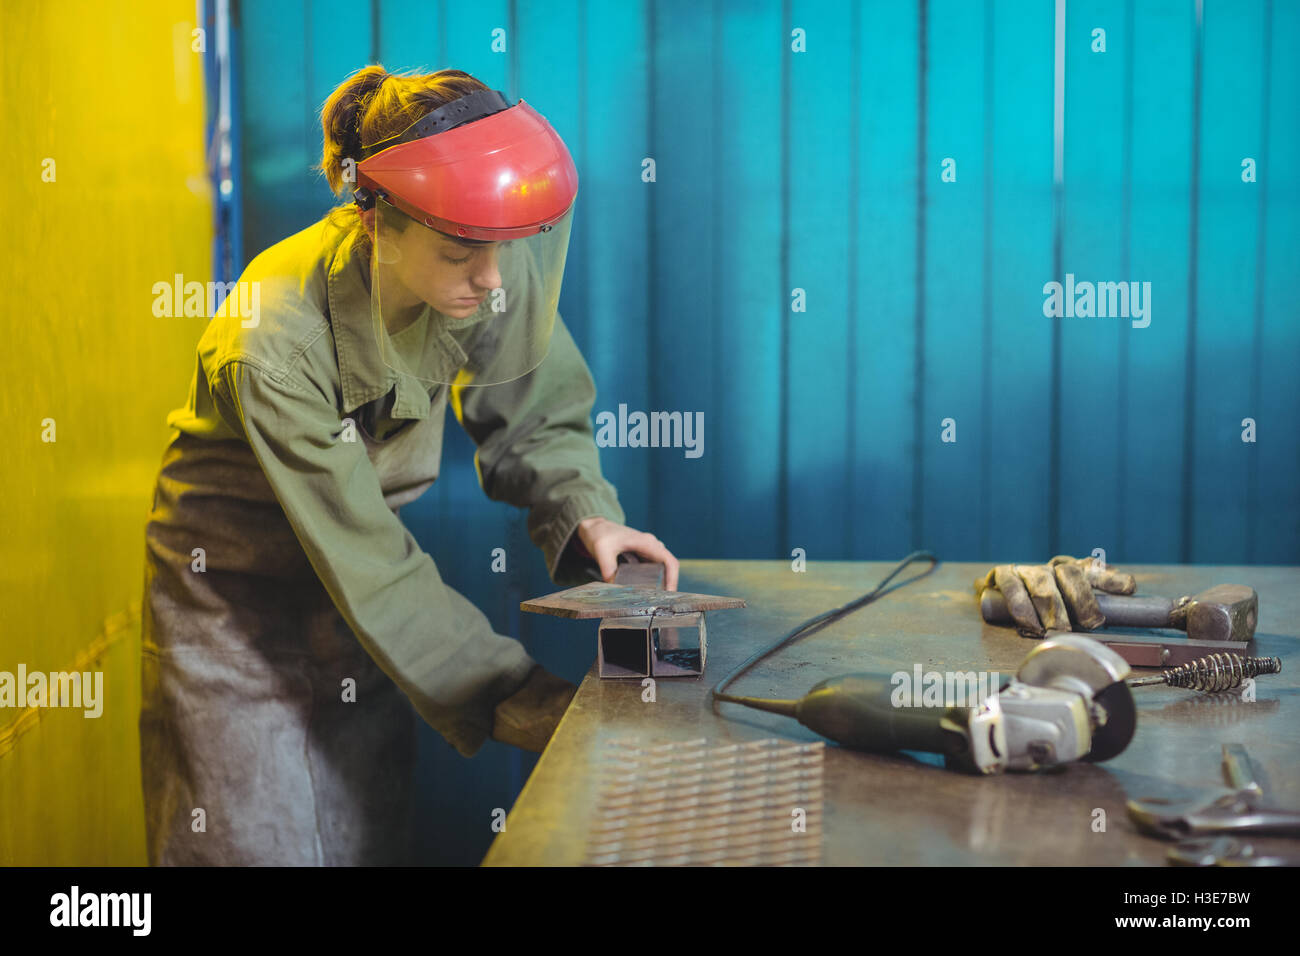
{"x": 605, "y": 541}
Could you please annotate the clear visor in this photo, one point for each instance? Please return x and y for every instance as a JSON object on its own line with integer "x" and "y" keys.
{"x": 455, "y": 312}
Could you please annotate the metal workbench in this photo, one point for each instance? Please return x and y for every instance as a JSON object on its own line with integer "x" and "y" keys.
{"x": 898, "y": 809}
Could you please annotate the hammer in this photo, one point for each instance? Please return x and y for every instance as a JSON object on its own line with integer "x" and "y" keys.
{"x": 1225, "y": 612}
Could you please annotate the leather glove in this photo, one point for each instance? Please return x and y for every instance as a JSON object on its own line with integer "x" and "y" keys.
{"x": 527, "y": 718}
{"x": 1057, "y": 595}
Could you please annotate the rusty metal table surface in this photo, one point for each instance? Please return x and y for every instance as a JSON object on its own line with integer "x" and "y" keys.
{"x": 898, "y": 809}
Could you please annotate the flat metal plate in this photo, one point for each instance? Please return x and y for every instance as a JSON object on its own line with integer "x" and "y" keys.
{"x": 599, "y": 599}
{"x": 1164, "y": 648}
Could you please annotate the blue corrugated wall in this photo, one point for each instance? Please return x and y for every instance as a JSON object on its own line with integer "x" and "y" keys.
{"x": 821, "y": 170}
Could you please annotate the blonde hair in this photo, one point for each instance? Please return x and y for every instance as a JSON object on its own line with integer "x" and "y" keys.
{"x": 370, "y": 106}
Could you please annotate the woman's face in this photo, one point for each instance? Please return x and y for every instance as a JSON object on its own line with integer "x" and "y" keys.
{"x": 433, "y": 268}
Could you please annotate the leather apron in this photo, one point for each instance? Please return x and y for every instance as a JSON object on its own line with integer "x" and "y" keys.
{"x": 251, "y": 751}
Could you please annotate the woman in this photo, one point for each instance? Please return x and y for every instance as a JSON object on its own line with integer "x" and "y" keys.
{"x": 291, "y": 622}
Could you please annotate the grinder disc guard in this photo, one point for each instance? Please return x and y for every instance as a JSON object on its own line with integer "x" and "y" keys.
{"x": 1121, "y": 722}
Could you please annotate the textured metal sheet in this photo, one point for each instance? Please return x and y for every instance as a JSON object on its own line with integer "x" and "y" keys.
{"x": 704, "y": 803}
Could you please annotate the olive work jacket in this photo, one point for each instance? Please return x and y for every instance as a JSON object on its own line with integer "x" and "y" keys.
{"x": 286, "y": 387}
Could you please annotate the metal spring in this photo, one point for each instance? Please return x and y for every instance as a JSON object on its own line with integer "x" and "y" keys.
{"x": 1218, "y": 672}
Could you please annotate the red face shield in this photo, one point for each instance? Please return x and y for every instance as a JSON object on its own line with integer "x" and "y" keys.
{"x": 473, "y": 208}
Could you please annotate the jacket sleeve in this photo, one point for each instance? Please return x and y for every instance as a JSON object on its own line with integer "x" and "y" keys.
{"x": 536, "y": 450}
{"x": 435, "y": 645}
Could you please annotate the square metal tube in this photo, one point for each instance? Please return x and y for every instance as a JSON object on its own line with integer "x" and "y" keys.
{"x": 665, "y": 645}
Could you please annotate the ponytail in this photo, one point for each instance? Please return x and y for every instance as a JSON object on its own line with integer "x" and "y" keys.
{"x": 368, "y": 107}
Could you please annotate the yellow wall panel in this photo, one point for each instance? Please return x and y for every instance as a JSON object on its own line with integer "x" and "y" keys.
{"x": 113, "y": 96}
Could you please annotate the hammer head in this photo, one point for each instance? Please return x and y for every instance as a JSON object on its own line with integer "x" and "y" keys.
{"x": 1225, "y": 612}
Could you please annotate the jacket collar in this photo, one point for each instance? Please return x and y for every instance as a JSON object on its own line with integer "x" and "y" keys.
{"x": 362, "y": 372}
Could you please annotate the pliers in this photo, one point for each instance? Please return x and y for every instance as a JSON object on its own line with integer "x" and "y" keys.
{"x": 1238, "y": 808}
{"x": 1225, "y": 851}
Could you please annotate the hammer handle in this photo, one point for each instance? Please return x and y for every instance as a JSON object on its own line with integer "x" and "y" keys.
{"x": 1120, "y": 611}
{"x": 1144, "y": 611}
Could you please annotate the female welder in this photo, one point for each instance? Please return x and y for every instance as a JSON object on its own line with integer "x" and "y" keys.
{"x": 291, "y": 621}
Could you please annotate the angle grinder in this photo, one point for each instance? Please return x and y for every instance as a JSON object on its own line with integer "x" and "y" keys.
{"x": 1068, "y": 701}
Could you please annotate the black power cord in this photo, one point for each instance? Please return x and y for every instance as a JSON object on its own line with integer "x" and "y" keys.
{"x": 811, "y": 626}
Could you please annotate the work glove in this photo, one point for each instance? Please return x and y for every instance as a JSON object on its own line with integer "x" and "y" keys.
{"x": 1057, "y": 595}
{"x": 528, "y": 717}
